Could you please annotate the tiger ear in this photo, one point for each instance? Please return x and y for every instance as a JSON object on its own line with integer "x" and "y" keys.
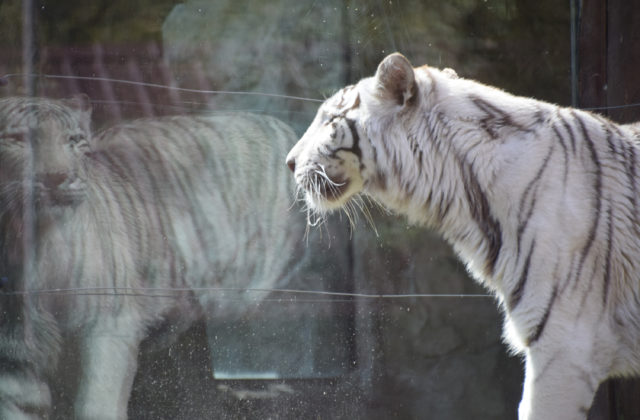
{"x": 79, "y": 102}
{"x": 82, "y": 104}
{"x": 395, "y": 80}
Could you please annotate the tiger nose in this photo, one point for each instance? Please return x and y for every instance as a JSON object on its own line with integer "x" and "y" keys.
{"x": 291, "y": 163}
{"x": 52, "y": 180}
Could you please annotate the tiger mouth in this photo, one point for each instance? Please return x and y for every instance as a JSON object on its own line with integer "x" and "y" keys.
{"x": 319, "y": 185}
{"x": 44, "y": 198}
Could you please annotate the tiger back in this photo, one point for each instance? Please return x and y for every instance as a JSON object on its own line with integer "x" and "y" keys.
{"x": 201, "y": 190}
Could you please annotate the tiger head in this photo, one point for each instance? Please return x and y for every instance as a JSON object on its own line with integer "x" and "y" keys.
{"x": 340, "y": 154}
{"x": 42, "y": 145}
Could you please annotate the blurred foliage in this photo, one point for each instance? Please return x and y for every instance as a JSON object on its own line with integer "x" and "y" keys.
{"x": 76, "y": 22}
{"x": 519, "y": 45}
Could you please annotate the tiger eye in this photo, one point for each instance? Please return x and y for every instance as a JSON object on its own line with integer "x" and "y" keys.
{"x": 16, "y": 137}
{"x": 76, "y": 138}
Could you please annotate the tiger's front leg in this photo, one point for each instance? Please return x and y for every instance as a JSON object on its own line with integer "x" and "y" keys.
{"x": 559, "y": 385}
{"x": 109, "y": 357}
{"x": 29, "y": 350}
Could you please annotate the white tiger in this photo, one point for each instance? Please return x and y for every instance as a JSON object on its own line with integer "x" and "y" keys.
{"x": 541, "y": 202}
{"x": 174, "y": 203}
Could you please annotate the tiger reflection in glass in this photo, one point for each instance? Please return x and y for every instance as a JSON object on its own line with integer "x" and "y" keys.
{"x": 171, "y": 203}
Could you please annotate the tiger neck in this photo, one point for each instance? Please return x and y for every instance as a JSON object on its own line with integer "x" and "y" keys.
{"x": 21, "y": 236}
{"x": 14, "y": 251}
{"x": 441, "y": 189}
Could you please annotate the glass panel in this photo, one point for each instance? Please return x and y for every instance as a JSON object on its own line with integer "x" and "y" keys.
{"x": 154, "y": 262}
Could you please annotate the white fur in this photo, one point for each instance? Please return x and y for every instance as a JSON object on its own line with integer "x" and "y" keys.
{"x": 568, "y": 265}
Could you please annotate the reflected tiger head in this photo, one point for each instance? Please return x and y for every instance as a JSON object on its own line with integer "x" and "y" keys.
{"x": 42, "y": 147}
{"x": 340, "y": 155}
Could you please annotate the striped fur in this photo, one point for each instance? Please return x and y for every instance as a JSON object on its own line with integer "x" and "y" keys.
{"x": 541, "y": 202}
{"x": 172, "y": 203}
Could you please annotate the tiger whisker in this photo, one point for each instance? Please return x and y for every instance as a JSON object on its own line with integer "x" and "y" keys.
{"x": 359, "y": 202}
{"x": 374, "y": 202}
{"x": 294, "y": 201}
{"x": 318, "y": 219}
{"x": 326, "y": 178}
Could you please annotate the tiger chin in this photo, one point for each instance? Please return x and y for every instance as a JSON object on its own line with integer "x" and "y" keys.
{"x": 541, "y": 202}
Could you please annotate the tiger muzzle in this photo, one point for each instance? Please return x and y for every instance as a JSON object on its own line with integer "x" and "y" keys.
{"x": 57, "y": 189}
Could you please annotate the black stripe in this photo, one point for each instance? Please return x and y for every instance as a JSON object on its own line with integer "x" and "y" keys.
{"x": 496, "y": 117}
{"x": 227, "y": 195}
{"x": 487, "y": 123}
{"x": 185, "y": 179}
{"x": 565, "y": 152}
{"x": 178, "y": 179}
{"x": 183, "y": 124}
{"x": 374, "y": 152}
{"x": 597, "y": 186}
{"x": 632, "y": 179}
{"x": 523, "y": 222}
{"x": 443, "y": 208}
{"x": 481, "y": 214}
{"x": 572, "y": 136}
{"x": 626, "y": 151}
{"x": 77, "y": 261}
{"x": 518, "y": 291}
{"x": 150, "y": 153}
{"x": 543, "y": 321}
{"x": 356, "y": 103}
{"x": 612, "y": 147}
{"x": 607, "y": 267}
{"x": 355, "y": 148}
{"x": 396, "y": 165}
{"x": 343, "y": 95}
{"x": 112, "y": 200}
{"x": 127, "y": 195}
